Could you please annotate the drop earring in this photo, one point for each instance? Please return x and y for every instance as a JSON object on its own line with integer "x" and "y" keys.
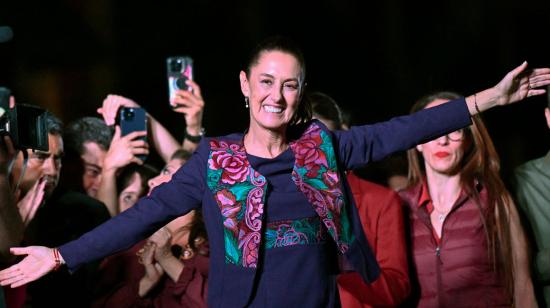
{"x": 246, "y": 102}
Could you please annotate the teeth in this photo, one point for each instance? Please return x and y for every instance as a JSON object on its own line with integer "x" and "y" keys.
{"x": 272, "y": 109}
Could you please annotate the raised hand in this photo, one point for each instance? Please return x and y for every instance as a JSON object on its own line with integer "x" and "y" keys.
{"x": 32, "y": 200}
{"x": 191, "y": 104}
{"x": 521, "y": 83}
{"x": 124, "y": 150}
{"x": 38, "y": 262}
{"x": 110, "y": 107}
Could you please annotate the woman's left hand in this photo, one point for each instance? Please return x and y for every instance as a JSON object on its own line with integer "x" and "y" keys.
{"x": 521, "y": 83}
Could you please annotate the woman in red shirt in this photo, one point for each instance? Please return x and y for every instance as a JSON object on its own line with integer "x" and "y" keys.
{"x": 468, "y": 247}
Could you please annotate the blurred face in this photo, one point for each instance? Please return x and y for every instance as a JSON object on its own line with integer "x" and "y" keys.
{"x": 330, "y": 124}
{"x": 180, "y": 234}
{"x": 444, "y": 154}
{"x": 93, "y": 162}
{"x": 130, "y": 195}
{"x": 273, "y": 89}
{"x": 166, "y": 173}
{"x": 46, "y": 165}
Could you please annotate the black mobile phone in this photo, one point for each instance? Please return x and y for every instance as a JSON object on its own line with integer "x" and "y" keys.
{"x": 179, "y": 70}
{"x": 132, "y": 120}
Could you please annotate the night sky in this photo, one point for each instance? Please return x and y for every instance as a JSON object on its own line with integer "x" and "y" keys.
{"x": 374, "y": 57}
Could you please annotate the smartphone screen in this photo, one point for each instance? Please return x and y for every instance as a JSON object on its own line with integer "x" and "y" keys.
{"x": 133, "y": 120}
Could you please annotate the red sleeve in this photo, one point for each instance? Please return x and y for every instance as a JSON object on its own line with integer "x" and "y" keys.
{"x": 383, "y": 222}
{"x": 118, "y": 282}
{"x": 191, "y": 288}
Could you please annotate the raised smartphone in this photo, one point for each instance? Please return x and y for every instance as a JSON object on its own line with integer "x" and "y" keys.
{"x": 133, "y": 120}
{"x": 179, "y": 70}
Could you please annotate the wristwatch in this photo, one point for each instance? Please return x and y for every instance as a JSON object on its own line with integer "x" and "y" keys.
{"x": 192, "y": 138}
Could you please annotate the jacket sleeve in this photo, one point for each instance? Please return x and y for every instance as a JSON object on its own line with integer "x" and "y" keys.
{"x": 168, "y": 201}
{"x": 362, "y": 144}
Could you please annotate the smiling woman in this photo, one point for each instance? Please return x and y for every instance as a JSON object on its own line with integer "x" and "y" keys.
{"x": 275, "y": 200}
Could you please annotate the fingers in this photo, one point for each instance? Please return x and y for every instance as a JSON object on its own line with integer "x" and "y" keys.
{"x": 148, "y": 253}
{"x": 518, "y": 70}
{"x": 536, "y": 92}
{"x": 195, "y": 87}
{"x": 12, "y": 102}
{"x": 135, "y": 135}
{"x": 116, "y": 135}
{"x": 9, "y": 272}
{"x": 18, "y": 251}
{"x": 110, "y": 107}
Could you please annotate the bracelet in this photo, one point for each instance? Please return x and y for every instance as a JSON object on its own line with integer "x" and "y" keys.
{"x": 57, "y": 258}
{"x": 475, "y": 104}
{"x": 192, "y": 138}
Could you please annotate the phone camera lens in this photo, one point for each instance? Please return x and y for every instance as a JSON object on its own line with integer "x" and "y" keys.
{"x": 180, "y": 83}
{"x": 128, "y": 113}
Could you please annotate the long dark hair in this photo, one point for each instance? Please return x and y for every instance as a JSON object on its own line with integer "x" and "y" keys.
{"x": 480, "y": 164}
{"x": 285, "y": 45}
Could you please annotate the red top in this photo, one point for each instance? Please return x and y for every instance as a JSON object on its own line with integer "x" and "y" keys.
{"x": 119, "y": 282}
{"x": 457, "y": 270}
{"x": 426, "y": 200}
{"x": 383, "y": 222}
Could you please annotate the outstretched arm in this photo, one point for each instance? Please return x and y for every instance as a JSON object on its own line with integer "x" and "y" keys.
{"x": 38, "y": 262}
{"x": 517, "y": 85}
{"x": 362, "y": 144}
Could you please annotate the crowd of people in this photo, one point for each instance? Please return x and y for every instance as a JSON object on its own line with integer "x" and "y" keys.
{"x": 276, "y": 216}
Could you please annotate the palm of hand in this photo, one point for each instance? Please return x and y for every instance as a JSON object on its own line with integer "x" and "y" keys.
{"x": 38, "y": 262}
{"x": 515, "y": 87}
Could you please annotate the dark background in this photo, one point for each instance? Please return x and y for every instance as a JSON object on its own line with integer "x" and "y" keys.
{"x": 374, "y": 58}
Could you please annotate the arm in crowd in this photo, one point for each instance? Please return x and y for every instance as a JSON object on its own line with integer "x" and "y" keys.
{"x": 11, "y": 224}
{"x": 524, "y": 295}
{"x": 190, "y": 103}
{"x": 122, "y": 152}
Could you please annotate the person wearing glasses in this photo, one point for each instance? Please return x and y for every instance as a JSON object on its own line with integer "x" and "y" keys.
{"x": 467, "y": 244}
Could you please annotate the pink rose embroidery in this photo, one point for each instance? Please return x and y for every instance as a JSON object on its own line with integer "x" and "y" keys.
{"x": 235, "y": 167}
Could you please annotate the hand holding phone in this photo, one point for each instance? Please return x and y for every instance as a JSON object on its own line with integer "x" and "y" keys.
{"x": 133, "y": 120}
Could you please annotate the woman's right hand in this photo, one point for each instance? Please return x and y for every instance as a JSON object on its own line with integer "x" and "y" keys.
{"x": 38, "y": 262}
{"x": 124, "y": 150}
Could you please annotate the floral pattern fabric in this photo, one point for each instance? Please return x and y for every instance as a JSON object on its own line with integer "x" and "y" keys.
{"x": 316, "y": 175}
{"x": 294, "y": 232}
{"x": 240, "y": 193}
